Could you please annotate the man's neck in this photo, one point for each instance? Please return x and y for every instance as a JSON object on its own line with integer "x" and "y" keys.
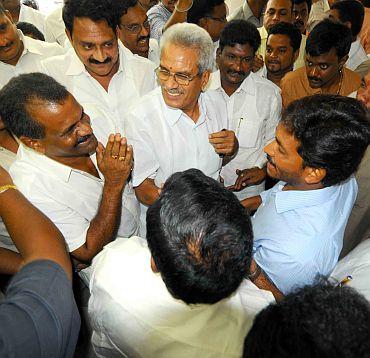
{"x": 229, "y": 88}
{"x": 104, "y": 81}
{"x": 84, "y": 164}
{"x": 334, "y": 86}
{"x": 193, "y": 112}
{"x": 277, "y": 77}
{"x": 302, "y": 187}
{"x": 7, "y": 141}
{"x": 256, "y": 7}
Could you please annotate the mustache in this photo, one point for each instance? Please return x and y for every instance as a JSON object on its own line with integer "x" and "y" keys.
{"x": 299, "y": 22}
{"x": 143, "y": 38}
{"x": 240, "y": 73}
{"x": 83, "y": 139}
{"x": 96, "y": 62}
{"x": 173, "y": 91}
{"x": 314, "y": 79}
{"x": 8, "y": 45}
{"x": 269, "y": 159}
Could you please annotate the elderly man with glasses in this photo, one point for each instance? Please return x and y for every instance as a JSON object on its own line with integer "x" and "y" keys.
{"x": 177, "y": 127}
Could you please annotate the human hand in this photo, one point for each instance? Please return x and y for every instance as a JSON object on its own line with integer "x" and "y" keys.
{"x": 258, "y": 63}
{"x": 246, "y": 177}
{"x": 115, "y": 160}
{"x": 224, "y": 142}
{"x": 184, "y": 5}
{"x": 5, "y": 178}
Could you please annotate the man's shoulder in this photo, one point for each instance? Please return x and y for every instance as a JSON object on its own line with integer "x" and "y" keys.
{"x": 146, "y": 106}
{"x": 45, "y": 49}
{"x": 59, "y": 63}
{"x": 351, "y": 79}
{"x": 264, "y": 85}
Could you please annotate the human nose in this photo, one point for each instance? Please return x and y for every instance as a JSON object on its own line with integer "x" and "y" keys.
{"x": 84, "y": 127}
{"x": 3, "y": 41}
{"x": 314, "y": 71}
{"x": 144, "y": 32}
{"x": 269, "y": 148}
{"x": 99, "y": 54}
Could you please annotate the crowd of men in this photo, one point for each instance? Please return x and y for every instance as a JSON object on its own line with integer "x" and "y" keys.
{"x": 200, "y": 172}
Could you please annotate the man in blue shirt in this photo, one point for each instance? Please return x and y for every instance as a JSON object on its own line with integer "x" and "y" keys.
{"x": 299, "y": 225}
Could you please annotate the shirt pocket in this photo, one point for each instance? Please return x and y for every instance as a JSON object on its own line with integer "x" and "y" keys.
{"x": 247, "y": 132}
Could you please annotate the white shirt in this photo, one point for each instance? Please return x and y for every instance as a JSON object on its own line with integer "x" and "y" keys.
{"x": 55, "y": 28}
{"x": 254, "y": 111}
{"x": 6, "y": 159}
{"x": 356, "y": 56}
{"x": 134, "y": 78}
{"x": 133, "y": 314}
{"x": 69, "y": 197}
{"x": 34, "y": 17}
{"x": 154, "y": 51}
{"x": 165, "y": 140}
{"x": 30, "y": 61}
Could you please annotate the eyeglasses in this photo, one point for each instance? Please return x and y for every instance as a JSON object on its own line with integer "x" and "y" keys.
{"x": 219, "y": 19}
{"x": 180, "y": 78}
{"x": 136, "y": 28}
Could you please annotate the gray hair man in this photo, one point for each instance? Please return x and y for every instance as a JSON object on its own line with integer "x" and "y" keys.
{"x": 176, "y": 126}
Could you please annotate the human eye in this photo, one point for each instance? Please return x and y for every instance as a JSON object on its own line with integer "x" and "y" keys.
{"x": 309, "y": 64}
{"x": 282, "y": 50}
{"x": 134, "y": 27}
{"x": 283, "y": 12}
{"x": 230, "y": 56}
{"x": 183, "y": 77}
{"x": 270, "y": 11}
{"x": 268, "y": 50}
{"x": 3, "y": 27}
{"x": 108, "y": 44}
{"x": 87, "y": 46}
{"x": 324, "y": 66}
{"x": 247, "y": 59}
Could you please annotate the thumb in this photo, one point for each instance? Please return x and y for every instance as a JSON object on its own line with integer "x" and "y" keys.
{"x": 100, "y": 152}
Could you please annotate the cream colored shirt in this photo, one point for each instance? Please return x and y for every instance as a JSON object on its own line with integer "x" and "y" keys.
{"x": 133, "y": 314}
{"x": 34, "y": 17}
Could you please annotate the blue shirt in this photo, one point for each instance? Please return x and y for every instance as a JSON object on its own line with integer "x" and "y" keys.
{"x": 158, "y": 16}
{"x": 299, "y": 234}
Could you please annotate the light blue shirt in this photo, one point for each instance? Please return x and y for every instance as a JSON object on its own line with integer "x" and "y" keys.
{"x": 299, "y": 234}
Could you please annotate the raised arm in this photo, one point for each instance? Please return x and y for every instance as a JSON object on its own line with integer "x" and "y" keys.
{"x": 115, "y": 162}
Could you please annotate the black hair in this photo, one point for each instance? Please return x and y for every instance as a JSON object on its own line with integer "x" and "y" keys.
{"x": 123, "y": 5}
{"x": 326, "y": 35}
{"x": 200, "y": 238}
{"x": 333, "y": 132}
{"x": 28, "y": 28}
{"x": 287, "y": 29}
{"x": 240, "y": 32}
{"x": 308, "y": 2}
{"x": 19, "y": 94}
{"x": 352, "y": 11}
{"x": 320, "y": 321}
{"x": 31, "y": 3}
{"x": 201, "y": 9}
{"x": 95, "y": 10}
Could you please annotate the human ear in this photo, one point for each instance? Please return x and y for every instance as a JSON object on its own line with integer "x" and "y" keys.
{"x": 315, "y": 175}
{"x": 34, "y": 144}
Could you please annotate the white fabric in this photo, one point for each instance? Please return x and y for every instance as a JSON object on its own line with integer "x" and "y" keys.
{"x": 30, "y": 61}
{"x": 254, "y": 111}
{"x": 6, "y": 159}
{"x": 134, "y": 78}
{"x": 319, "y": 11}
{"x": 69, "y": 197}
{"x": 166, "y": 141}
{"x": 34, "y": 17}
{"x": 55, "y": 29}
{"x": 357, "y": 265}
{"x": 153, "y": 54}
{"x": 134, "y": 315}
{"x": 356, "y": 56}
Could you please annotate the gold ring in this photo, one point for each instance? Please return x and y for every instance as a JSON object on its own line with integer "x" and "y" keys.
{"x": 121, "y": 159}
{"x": 241, "y": 175}
{"x": 114, "y": 156}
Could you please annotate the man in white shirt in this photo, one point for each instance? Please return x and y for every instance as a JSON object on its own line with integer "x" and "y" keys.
{"x": 351, "y": 13}
{"x": 177, "y": 127}
{"x": 134, "y": 30}
{"x": 100, "y": 73}
{"x": 55, "y": 31}
{"x": 18, "y": 53}
{"x": 185, "y": 295}
{"x": 57, "y": 169}
{"x": 253, "y": 104}
{"x": 23, "y": 13}
{"x": 251, "y": 11}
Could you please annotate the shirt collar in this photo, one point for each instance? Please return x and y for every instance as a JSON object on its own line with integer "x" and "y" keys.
{"x": 173, "y": 115}
{"x": 247, "y": 86}
{"x": 44, "y": 163}
{"x": 296, "y": 199}
{"x": 29, "y": 44}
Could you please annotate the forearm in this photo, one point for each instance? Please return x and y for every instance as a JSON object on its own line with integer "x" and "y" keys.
{"x": 263, "y": 282}
{"x": 178, "y": 16}
{"x": 252, "y": 203}
{"x": 35, "y": 236}
{"x": 103, "y": 228}
{"x": 147, "y": 192}
{"x": 10, "y": 262}
{"x": 229, "y": 157}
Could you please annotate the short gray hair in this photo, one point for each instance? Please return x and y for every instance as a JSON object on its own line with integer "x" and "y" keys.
{"x": 191, "y": 36}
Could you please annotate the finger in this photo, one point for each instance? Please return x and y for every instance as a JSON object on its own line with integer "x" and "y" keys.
{"x": 116, "y": 146}
{"x": 129, "y": 156}
{"x": 122, "y": 149}
{"x": 231, "y": 187}
{"x": 221, "y": 134}
{"x": 108, "y": 148}
{"x": 221, "y": 140}
{"x": 100, "y": 152}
